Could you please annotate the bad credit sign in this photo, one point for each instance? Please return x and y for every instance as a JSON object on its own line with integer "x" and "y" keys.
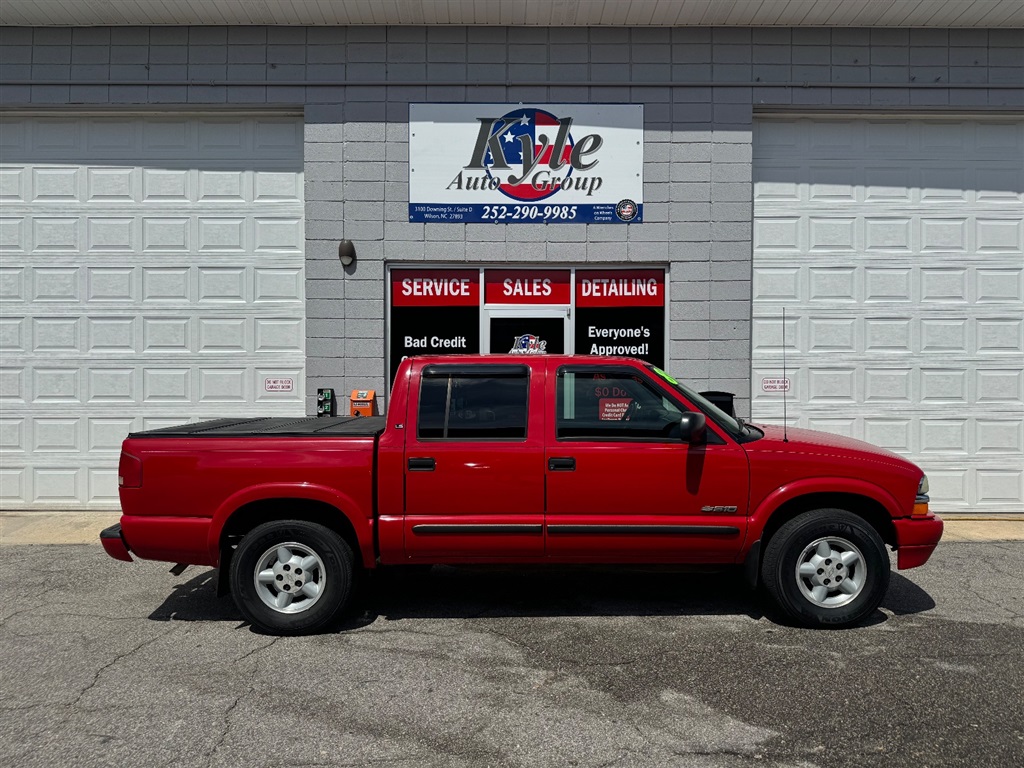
{"x": 434, "y": 312}
{"x": 536, "y": 163}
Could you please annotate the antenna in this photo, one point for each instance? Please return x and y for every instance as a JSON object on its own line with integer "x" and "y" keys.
{"x": 785, "y": 382}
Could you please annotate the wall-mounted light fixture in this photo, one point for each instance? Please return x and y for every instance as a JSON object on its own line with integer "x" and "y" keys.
{"x": 346, "y": 252}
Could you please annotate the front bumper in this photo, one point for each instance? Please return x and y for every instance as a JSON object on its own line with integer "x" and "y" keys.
{"x": 113, "y": 542}
{"x": 916, "y": 539}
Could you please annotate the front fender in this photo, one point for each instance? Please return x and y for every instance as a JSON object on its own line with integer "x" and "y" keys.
{"x": 361, "y": 519}
{"x": 785, "y": 493}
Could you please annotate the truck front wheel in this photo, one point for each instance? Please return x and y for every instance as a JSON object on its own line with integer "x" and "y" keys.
{"x": 826, "y": 568}
{"x": 292, "y": 576}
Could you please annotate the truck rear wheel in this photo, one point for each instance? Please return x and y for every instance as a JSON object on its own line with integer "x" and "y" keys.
{"x": 291, "y": 576}
{"x": 826, "y": 568}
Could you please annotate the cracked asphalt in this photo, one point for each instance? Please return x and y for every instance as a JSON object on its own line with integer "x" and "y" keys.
{"x": 106, "y": 663}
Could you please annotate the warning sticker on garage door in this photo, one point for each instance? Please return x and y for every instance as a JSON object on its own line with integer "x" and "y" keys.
{"x": 778, "y": 384}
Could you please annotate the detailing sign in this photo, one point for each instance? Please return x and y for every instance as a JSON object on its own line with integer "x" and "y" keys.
{"x": 537, "y": 163}
{"x": 621, "y": 312}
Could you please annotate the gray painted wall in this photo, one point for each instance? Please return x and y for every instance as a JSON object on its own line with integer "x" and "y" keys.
{"x": 700, "y": 88}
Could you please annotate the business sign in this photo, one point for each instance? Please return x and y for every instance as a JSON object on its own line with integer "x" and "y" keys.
{"x": 434, "y": 312}
{"x": 527, "y": 286}
{"x": 621, "y": 312}
{"x": 537, "y": 163}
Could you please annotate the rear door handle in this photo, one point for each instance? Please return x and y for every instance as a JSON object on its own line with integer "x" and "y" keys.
{"x": 421, "y": 465}
{"x": 562, "y": 464}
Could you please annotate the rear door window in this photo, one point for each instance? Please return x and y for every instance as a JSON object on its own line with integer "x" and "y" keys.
{"x": 467, "y": 407}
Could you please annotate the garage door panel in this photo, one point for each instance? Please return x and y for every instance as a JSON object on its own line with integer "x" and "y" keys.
{"x": 153, "y": 275}
{"x": 897, "y": 250}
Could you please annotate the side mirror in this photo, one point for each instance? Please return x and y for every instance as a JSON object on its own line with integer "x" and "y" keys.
{"x": 693, "y": 427}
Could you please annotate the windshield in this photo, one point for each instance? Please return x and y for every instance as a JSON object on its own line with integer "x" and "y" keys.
{"x": 726, "y": 421}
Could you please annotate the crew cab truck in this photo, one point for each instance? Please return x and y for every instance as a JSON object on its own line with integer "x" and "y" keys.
{"x": 521, "y": 459}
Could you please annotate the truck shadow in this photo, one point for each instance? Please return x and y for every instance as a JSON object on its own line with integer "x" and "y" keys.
{"x": 468, "y": 592}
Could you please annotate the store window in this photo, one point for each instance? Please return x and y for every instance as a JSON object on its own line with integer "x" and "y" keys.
{"x": 433, "y": 312}
{"x": 500, "y": 310}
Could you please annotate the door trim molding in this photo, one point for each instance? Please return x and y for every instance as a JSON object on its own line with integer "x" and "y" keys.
{"x": 472, "y": 528}
{"x": 670, "y": 530}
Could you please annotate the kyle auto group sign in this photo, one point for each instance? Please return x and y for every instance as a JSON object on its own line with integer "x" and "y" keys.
{"x": 538, "y": 163}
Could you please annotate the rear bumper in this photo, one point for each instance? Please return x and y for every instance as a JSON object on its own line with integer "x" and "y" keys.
{"x": 916, "y": 539}
{"x": 113, "y": 542}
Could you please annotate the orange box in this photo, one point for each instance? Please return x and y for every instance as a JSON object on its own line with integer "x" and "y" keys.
{"x": 363, "y": 402}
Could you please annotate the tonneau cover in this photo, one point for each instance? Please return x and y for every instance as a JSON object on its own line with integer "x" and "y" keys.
{"x": 305, "y": 426}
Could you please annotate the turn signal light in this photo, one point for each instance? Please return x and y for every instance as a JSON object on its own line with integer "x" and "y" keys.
{"x": 129, "y": 472}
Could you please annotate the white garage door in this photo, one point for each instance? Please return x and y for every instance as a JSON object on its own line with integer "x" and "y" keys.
{"x": 897, "y": 248}
{"x": 152, "y": 274}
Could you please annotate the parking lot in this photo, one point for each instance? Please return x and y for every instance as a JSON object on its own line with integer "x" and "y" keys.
{"x": 109, "y": 663}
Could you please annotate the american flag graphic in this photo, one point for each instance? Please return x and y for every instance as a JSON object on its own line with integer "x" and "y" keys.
{"x": 532, "y": 123}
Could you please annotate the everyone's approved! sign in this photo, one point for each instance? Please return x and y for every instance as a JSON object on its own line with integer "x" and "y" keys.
{"x": 543, "y": 163}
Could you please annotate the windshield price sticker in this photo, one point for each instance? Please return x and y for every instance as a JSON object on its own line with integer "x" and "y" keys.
{"x": 775, "y": 385}
{"x": 540, "y": 163}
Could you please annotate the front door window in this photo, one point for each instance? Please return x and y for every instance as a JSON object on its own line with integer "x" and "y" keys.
{"x": 602, "y": 404}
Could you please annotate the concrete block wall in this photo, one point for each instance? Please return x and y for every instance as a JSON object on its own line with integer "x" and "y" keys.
{"x": 700, "y": 88}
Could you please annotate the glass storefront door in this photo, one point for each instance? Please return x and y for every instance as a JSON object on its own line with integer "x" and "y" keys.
{"x": 526, "y": 331}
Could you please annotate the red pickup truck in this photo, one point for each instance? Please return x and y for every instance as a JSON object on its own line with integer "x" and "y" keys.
{"x": 521, "y": 459}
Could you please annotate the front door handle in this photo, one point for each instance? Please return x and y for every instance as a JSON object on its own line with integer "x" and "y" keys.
{"x": 421, "y": 465}
{"x": 562, "y": 464}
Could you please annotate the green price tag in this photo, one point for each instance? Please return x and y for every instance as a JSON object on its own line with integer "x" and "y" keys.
{"x": 666, "y": 377}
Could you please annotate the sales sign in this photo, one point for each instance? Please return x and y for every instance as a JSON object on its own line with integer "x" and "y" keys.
{"x": 525, "y": 286}
{"x": 536, "y": 163}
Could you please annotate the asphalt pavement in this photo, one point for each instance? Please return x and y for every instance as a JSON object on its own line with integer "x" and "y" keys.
{"x": 107, "y": 663}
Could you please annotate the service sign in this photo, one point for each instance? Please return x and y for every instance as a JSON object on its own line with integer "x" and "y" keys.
{"x": 533, "y": 163}
{"x": 434, "y": 312}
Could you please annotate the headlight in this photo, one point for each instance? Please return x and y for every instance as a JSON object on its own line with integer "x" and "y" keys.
{"x": 921, "y": 502}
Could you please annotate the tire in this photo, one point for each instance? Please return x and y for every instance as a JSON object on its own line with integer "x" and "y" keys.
{"x": 826, "y": 568}
{"x": 275, "y": 567}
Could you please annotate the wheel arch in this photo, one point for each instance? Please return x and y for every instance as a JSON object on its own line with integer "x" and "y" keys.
{"x": 871, "y": 510}
{"x": 230, "y": 526}
{"x": 768, "y": 522}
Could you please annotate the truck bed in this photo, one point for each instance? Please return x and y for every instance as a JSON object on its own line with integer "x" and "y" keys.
{"x": 305, "y": 426}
